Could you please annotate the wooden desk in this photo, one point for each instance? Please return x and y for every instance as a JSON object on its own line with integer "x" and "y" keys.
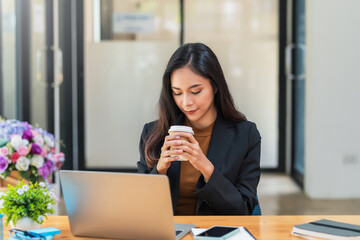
{"x": 262, "y": 227}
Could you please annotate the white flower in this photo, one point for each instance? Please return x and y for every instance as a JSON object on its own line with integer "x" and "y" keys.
{"x": 40, "y": 218}
{"x": 37, "y": 161}
{"x": 52, "y": 194}
{"x": 20, "y": 191}
{"x": 42, "y": 184}
{"x": 24, "y": 142}
{"x": 49, "y": 206}
{"x": 48, "y": 141}
{"x": 16, "y": 140}
{"x": 39, "y": 140}
{"x": 2, "y": 203}
{"x": 2, "y": 194}
{"x": 25, "y": 188}
{"x": 22, "y": 164}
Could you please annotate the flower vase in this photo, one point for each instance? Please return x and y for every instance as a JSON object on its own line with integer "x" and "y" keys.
{"x": 25, "y": 223}
{"x": 13, "y": 179}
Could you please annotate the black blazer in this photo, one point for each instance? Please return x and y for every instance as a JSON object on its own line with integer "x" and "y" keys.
{"x": 234, "y": 151}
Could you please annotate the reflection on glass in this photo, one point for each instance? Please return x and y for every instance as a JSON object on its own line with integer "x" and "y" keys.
{"x": 139, "y": 20}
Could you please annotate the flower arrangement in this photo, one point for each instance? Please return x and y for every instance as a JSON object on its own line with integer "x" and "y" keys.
{"x": 33, "y": 201}
{"x": 29, "y": 150}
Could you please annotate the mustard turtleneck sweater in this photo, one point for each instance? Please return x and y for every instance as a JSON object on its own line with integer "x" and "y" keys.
{"x": 189, "y": 175}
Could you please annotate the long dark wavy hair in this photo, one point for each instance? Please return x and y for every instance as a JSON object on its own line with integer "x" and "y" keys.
{"x": 201, "y": 60}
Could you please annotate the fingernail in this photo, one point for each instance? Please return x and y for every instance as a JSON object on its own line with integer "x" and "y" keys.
{"x": 177, "y": 137}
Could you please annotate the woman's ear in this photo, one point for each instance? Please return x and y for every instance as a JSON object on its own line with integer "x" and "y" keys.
{"x": 215, "y": 90}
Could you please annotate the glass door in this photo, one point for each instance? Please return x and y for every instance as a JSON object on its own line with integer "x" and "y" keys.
{"x": 31, "y": 62}
{"x": 46, "y": 65}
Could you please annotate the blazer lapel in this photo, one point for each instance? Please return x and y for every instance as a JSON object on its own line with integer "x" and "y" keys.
{"x": 221, "y": 139}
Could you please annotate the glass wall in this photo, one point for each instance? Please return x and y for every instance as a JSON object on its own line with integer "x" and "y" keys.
{"x": 127, "y": 48}
{"x": 244, "y": 36}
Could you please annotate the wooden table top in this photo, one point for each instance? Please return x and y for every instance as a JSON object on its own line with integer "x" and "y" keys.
{"x": 262, "y": 227}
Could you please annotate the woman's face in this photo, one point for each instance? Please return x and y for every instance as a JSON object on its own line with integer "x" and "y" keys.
{"x": 194, "y": 95}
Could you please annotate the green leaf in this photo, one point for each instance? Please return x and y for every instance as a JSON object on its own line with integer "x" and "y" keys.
{"x": 6, "y": 173}
{"x": 33, "y": 178}
{"x": 24, "y": 174}
{"x": 32, "y": 203}
{"x": 3, "y": 142}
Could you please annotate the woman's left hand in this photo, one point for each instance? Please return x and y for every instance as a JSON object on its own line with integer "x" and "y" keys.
{"x": 193, "y": 152}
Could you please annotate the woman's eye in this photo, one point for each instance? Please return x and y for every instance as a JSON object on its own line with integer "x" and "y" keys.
{"x": 176, "y": 94}
{"x": 196, "y": 92}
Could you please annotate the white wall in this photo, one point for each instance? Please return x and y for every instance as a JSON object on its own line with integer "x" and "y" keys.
{"x": 332, "y": 117}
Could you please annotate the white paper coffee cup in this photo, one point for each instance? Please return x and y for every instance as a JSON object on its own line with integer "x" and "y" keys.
{"x": 180, "y": 128}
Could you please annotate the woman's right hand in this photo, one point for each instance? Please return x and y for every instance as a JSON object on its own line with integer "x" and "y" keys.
{"x": 165, "y": 159}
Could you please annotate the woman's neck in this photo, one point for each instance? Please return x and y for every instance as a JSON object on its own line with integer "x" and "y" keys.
{"x": 206, "y": 122}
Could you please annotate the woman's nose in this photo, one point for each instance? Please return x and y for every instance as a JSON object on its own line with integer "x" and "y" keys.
{"x": 187, "y": 101}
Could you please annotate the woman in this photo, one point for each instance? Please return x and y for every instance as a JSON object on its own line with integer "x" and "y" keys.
{"x": 223, "y": 170}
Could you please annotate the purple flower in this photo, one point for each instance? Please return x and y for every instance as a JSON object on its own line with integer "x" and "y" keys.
{"x": 27, "y": 125}
{"x": 10, "y": 127}
{"x": 35, "y": 149}
{"x": 27, "y": 135}
{"x": 46, "y": 169}
{"x": 3, "y": 164}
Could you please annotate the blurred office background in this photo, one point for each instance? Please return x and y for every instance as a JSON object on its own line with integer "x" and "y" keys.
{"x": 90, "y": 72}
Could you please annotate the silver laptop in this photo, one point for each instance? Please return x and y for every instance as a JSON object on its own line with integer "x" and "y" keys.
{"x": 120, "y": 205}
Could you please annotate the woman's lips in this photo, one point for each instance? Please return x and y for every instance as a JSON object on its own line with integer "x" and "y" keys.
{"x": 191, "y": 112}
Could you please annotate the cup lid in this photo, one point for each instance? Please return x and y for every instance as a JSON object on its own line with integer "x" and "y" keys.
{"x": 181, "y": 128}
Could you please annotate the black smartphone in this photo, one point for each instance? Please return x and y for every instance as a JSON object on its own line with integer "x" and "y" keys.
{"x": 217, "y": 232}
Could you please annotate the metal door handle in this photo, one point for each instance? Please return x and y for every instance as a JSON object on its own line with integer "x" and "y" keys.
{"x": 40, "y": 69}
{"x": 58, "y": 67}
{"x": 288, "y": 61}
